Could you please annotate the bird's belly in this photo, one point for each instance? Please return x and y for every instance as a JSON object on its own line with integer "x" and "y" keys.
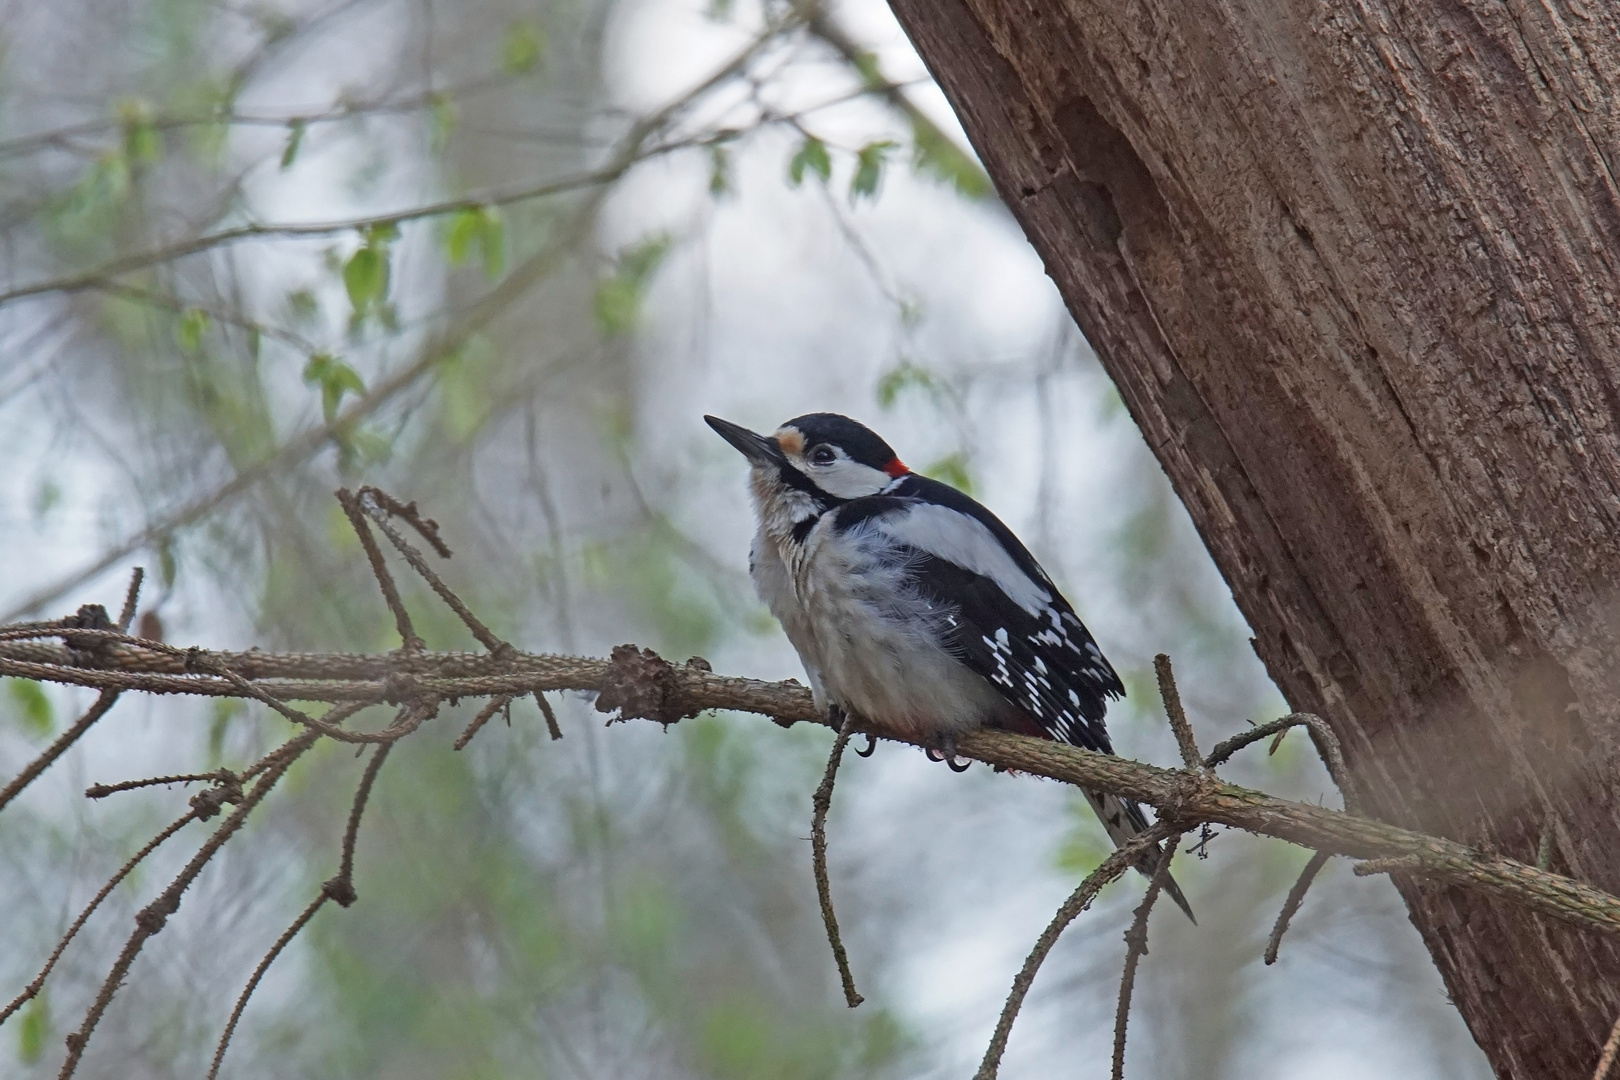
{"x": 878, "y": 652}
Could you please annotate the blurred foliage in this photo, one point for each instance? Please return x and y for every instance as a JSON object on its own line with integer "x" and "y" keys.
{"x": 633, "y": 903}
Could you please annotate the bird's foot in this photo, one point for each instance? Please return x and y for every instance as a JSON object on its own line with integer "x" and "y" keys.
{"x": 836, "y": 717}
{"x": 944, "y": 749}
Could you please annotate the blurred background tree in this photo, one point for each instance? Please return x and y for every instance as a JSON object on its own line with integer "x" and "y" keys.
{"x": 498, "y": 257}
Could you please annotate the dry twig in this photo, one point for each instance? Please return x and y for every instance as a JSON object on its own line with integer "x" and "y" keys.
{"x": 379, "y": 569}
{"x": 553, "y": 728}
{"x": 32, "y": 989}
{"x": 1399, "y": 864}
{"x": 495, "y": 705}
{"x": 821, "y": 803}
{"x": 1110, "y": 868}
{"x": 101, "y": 791}
{"x": 131, "y": 598}
{"x": 1296, "y": 897}
{"x": 152, "y": 918}
{"x": 44, "y": 761}
{"x": 339, "y": 889}
{"x": 269, "y": 958}
{"x": 1190, "y": 756}
{"x": 1322, "y": 737}
{"x": 1135, "y": 949}
{"x": 369, "y": 502}
{"x": 1610, "y": 1050}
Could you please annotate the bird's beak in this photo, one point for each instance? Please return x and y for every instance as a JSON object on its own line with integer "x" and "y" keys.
{"x": 758, "y": 449}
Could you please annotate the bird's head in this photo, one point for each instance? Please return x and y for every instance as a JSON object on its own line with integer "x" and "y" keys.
{"x": 811, "y": 464}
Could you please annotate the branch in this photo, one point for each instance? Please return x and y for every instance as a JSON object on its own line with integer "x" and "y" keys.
{"x": 1136, "y": 948}
{"x": 1296, "y": 897}
{"x": 1178, "y": 715}
{"x": 691, "y": 689}
{"x": 1110, "y": 868}
{"x": 822, "y": 802}
{"x": 59, "y": 747}
{"x": 152, "y": 918}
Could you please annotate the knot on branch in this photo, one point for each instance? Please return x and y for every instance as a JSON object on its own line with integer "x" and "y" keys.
{"x": 227, "y": 789}
{"x": 89, "y": 650}
{"x": 75, "y": 1042}
{"x": 400, "y": 687}
{"x": 427, "y": 528}
{"x": 153, "y": 916}
{"x": 1188, "y": 792}
{"x": 340, "y": 890}
{"x": 640, "y": 684}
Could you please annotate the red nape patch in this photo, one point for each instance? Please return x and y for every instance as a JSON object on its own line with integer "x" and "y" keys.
{"x": 896, "y": 468}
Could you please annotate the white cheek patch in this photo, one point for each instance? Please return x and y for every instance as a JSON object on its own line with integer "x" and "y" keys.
{"x": 965, "y": 541}
{"x": 847, "y": 479}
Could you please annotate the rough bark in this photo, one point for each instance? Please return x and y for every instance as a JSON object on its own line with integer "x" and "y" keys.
{"x": 1352, "y": 265}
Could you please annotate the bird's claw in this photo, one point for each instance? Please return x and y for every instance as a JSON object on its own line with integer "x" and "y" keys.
{"x": 871, "y": 746}
{"x": 946, "y": 751}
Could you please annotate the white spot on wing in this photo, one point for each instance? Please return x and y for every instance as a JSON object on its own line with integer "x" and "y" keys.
{"x": 965, "y": 541}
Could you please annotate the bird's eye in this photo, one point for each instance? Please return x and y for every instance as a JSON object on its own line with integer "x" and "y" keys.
{"x": 823, "y": 455}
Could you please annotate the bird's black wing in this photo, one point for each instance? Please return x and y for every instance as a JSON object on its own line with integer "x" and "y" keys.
{"x": 1002, "y": 615}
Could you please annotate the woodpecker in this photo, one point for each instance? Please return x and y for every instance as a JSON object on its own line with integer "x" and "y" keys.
{"x": 913, "y": 607}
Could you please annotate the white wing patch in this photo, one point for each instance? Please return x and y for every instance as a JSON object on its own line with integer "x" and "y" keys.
{"x": 957, "y": 538}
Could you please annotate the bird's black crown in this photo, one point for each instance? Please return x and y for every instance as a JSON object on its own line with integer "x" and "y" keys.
{"x": 857, "y": 440}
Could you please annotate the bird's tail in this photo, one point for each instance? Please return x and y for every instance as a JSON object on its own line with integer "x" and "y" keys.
{"x": 1123, "y": 819}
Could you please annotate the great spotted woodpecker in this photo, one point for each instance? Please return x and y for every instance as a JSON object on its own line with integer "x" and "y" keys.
{"x": 915, "y": 608}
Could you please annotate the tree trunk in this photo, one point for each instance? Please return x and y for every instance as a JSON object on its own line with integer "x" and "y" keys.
{"x": 1352, "y": 265}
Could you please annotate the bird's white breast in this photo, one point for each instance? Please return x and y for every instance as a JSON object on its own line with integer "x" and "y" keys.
{"x": 869, "y": 641}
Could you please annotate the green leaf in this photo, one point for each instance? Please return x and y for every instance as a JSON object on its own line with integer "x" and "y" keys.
{"x": 189, "y": 332}
{"x": 952, "y": 469}
{"x": 866, "y": 66}
{"x": 522, "y": 48}
{"x": 335, "y": 378}
{"x": 466, "y": 226}
{"x": 903, "y": 376}
{"x": 935, "y": 154}
{"x": 380, "y": 233}
{"x": 34, "y": 1031}
{"x": 719, "y": 170}
{"x": 618, "y": 297}
{"x": 443, "y": 117}
{"x": 33, "y": 707}
{"x": 371, "y": 447}
{"x": 168, "y": 567}
{"x": 869, "y": 162}
{"x": 295, "y": 141}
{"x": 464, "y": 379}
{"x": 224, "y": 711}
{"x": 47, "y": 498}
{"x": 812, "y": 155}
{"x": 142, "y": 143}
{"x": 303, "y": 305}
{"x": 480, "y": 226}
{"x": 365, "y": 276}
{"x": 493, "y": 242}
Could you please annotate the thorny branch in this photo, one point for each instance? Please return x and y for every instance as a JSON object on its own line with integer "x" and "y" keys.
{"x": 339, "y": 889}
{"x": 1110, "y": 868}
{"x": 89, "y": 649}
{"x": 1135, "y": 949}
{"x": 1611, "y": 1049}
{"x": 821, "y": 803}
{"x": 1296, "y": 896}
